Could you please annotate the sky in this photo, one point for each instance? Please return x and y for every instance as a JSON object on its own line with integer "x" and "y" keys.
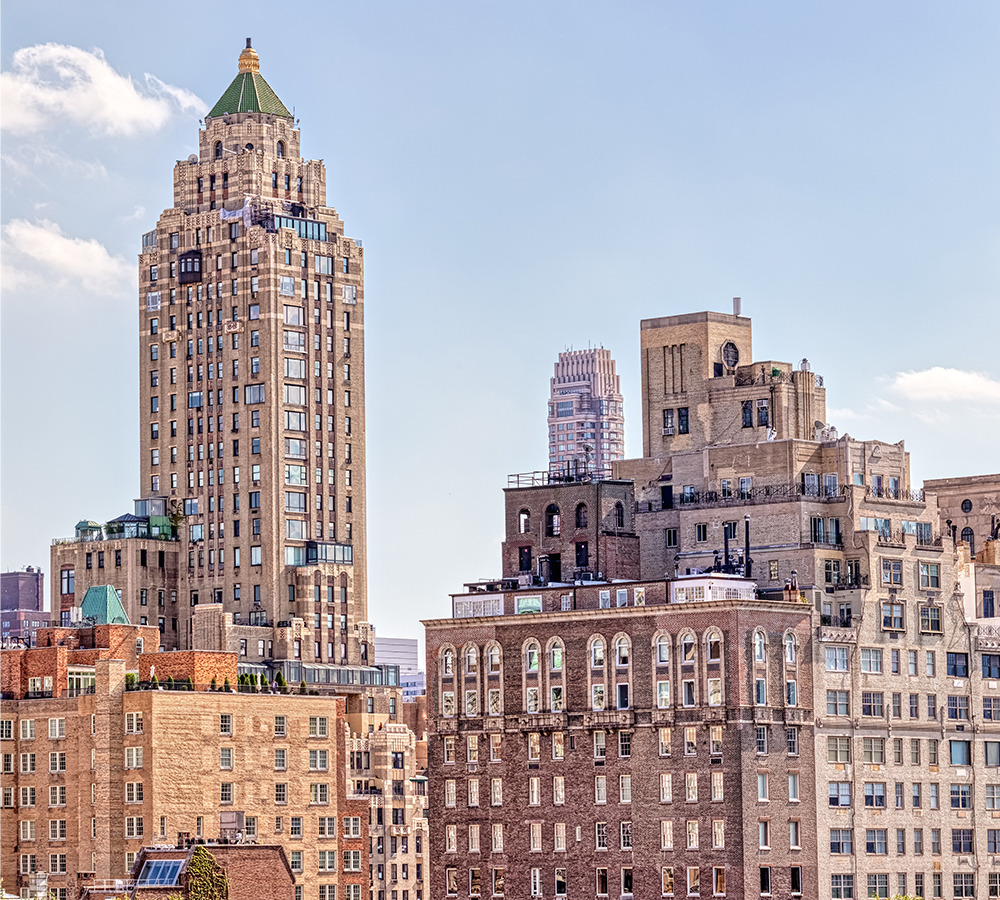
{"x": 526, "y": 178}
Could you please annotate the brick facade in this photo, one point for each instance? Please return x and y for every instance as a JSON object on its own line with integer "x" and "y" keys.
{"x": 568, "y": 817}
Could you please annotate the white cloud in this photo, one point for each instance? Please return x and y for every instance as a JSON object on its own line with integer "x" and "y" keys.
{"x": 50, "y": 84}
{"x": 31, "y": 161}
{"x": 38, "y": 256}
{"x": 950, "y": 386}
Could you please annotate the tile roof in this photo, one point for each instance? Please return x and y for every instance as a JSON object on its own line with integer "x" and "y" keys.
{"x": 249, "y": 92}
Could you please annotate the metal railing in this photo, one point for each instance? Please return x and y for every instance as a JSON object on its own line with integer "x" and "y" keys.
{"x": 885, "y": 493}
{"x": 112, "y": 536}
{"x": 763, "y": 494}
{"x": 81, "y": 691}
{"x": 573, "y": 474}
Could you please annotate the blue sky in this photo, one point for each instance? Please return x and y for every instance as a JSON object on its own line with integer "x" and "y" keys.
{"x": 525, "y": 177}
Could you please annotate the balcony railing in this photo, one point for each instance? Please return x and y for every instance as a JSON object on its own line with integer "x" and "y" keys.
{"x": 768, "y": 493}
{"x": 885, "y": 493}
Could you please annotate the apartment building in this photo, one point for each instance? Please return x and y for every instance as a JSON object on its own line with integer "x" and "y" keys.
{"x": 586, "y": 412}
{"x": 386, "y": 773}
{"x": 627, "y": 739}
{"x": 98, "y": 765}
{"x": 251, "y": 356}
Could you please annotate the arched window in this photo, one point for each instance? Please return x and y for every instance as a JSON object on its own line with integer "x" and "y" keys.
{"x": 663, "y": 650}
{"x": 758, "y": 646}
{"x": 969, "y": 536}
{"x": 789, "y": 648}
{"x": 448, "y": 662}
{"x": 471, "y": 661}
{"x": 597, "y": 654}
{"x": 581, "y": 515}
{"x": 531, "y": 657}
{"x": 714, "y": 644}
{"x": 218, "y": 149}
{"x": 622, "y": 651}
{"x": 493, "y": 656}
{"x": 524, "y": 521}
{"x": 687, "y": 648}
{"x": 619, "y": 515}
{"x": 556, "y": 656}
{"x": 281, "y": 150}
{"x": 552, "y": 521}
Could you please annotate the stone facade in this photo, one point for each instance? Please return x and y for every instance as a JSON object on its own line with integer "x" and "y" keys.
{"x": 971, "y": 505}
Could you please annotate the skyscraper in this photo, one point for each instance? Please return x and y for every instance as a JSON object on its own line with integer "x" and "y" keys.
{"x": 251, "y": 347}
{"x": 586, "y": 413}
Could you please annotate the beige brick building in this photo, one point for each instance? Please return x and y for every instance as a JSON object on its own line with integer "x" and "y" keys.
{"x": 249, "y": 535}
{"x": 95, "y": 770}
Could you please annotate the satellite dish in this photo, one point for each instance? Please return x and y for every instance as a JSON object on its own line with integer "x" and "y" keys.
{"x": 193, "y": 159}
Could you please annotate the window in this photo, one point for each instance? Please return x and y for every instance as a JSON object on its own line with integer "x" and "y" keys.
{"x": 878, "y": 886}
{"x": 930, "y": 619}
{"x": 836, "y": 659}
{"x": 958, "y": 665}
{"x": 961, "y": 753}
{"x": 841, "y": 841}
{"x": 875, "y": 795}
{"x": 871, "y": 660}
{"x": 892, "y": 617}
{"x": 930, "y": 576}
{"x": 838, "y": 703}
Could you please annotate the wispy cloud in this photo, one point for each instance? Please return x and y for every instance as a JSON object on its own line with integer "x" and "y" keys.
{"x": 33, "y": 162}
{"x": 943, "y": 385}
{"x": 37, "y": 255}
{"x": 49, "y": 85}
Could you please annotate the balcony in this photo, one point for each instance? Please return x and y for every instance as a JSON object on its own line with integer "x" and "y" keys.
{"x": 838, "y": 629}
{"x": 539, "y": 721}
{"x": 884, "y": 493}
{"x": 773, "y": 493}
{"x": 987, "y": 637}
{"x": 608, "y": 718}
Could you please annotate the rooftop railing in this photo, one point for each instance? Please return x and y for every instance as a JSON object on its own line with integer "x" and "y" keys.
{"x": 93, "y": 537}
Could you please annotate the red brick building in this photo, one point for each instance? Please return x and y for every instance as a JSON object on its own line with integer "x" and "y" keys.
{"x": 626, "y": 739}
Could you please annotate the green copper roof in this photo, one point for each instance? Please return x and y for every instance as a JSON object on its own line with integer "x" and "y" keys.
{"x": 101, "y": 603}
{"x": 249, "y": 92}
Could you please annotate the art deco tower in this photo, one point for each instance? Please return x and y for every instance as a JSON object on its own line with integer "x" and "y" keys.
{"x": 586, "y": 413}
{"x": 251, "y": 349}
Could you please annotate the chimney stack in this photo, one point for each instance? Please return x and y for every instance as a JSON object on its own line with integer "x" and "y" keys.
{"x": 737, "y": 306}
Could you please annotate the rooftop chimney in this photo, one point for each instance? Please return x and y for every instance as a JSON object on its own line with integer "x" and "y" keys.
{"x": 737, "y": 306}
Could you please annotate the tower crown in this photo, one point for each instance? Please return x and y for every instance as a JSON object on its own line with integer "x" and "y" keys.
{"x": 249, "y": 60}
{"x": 249, "y": 92}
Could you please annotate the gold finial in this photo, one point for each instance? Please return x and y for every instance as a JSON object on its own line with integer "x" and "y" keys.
{"x": 249, "y": 60}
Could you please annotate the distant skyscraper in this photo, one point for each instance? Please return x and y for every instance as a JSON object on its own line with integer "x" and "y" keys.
{"x": 402, "y": 652}
{"x": 586, "y": 412}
